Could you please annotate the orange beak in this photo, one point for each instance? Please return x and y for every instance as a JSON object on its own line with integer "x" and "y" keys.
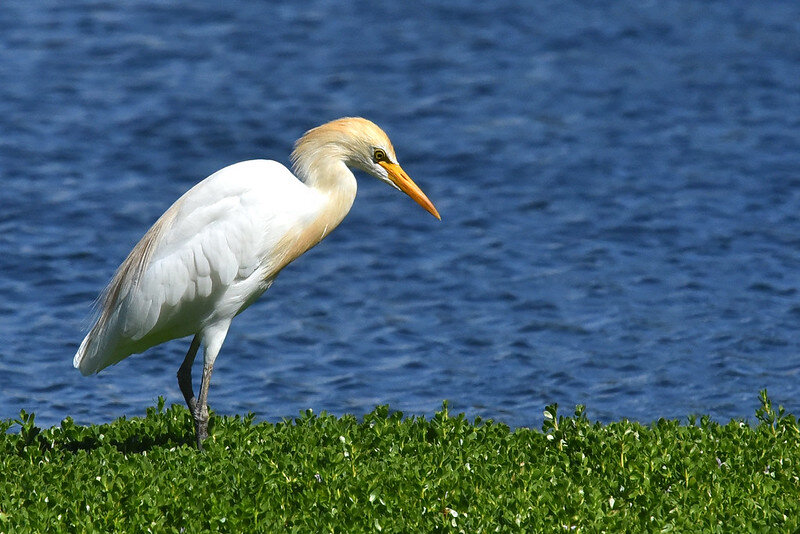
{"x": 399, "y": 177}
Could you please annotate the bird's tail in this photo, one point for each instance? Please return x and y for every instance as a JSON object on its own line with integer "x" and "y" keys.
{"x": 86, "y": 359}
{"x": 99, "y": 349}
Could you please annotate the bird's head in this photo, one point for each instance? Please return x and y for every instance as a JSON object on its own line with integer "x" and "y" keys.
{"x": 361, "y": 144}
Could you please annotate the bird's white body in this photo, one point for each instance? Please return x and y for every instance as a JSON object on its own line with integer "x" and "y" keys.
{"x": 215, "y": 251}
{"x": 221, "y": 245}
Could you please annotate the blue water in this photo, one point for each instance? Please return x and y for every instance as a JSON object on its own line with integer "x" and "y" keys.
{"x": 619, "y": 187}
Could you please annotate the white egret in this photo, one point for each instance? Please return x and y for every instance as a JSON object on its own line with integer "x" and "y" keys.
{"x": 223, "y": 243}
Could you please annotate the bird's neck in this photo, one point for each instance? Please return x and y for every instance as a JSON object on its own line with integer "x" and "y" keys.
{"x": 320, "y": 161}
{"x": 337, "y": 186}
{"x": 335, "y": 183}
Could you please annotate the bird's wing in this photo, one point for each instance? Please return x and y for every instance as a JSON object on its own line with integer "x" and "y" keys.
{"x": 223, "y": 231}
{"x": 207, "y": 256}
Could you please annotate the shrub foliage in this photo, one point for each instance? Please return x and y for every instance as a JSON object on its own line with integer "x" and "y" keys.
{"x": 320, "y": 473}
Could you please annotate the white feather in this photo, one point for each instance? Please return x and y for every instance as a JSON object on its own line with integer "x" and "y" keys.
{"x": 210, "y": 243}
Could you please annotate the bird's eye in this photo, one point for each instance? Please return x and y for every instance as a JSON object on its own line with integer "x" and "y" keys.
{"x": 379, "y": 155}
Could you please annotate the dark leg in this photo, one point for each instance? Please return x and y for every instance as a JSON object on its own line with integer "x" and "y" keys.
{"x": 185, "y": 375}
{"x": 213, "y": 336}
{"x": 201, "y": 416}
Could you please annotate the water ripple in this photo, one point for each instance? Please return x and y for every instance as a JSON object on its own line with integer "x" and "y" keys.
{"x": 617, "y": 182}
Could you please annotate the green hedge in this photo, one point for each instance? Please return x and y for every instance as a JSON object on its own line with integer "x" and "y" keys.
{"x": 320, "y": 473}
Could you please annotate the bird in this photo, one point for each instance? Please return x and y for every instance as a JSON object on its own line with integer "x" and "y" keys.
{"x": 222, "y": 244}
